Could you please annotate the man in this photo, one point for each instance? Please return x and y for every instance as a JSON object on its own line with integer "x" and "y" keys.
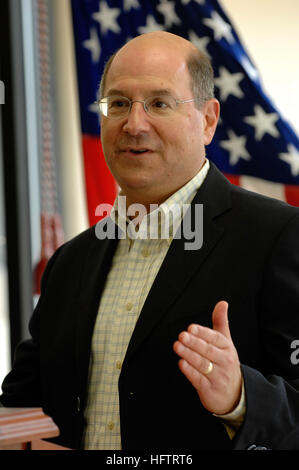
{"x": 145, "y": 342}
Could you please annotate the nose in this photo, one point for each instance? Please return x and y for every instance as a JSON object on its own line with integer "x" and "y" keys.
{"x": 137, "y": 122}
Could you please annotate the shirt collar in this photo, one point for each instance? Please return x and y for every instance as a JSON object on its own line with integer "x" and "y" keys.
{"x": 164, "y": 220}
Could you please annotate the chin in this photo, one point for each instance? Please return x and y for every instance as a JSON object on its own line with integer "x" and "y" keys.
{"x": 135, "y": 184}
{"x": 134, "y": 178}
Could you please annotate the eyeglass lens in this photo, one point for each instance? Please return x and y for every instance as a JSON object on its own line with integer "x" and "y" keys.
{"x": 119, "y": 106}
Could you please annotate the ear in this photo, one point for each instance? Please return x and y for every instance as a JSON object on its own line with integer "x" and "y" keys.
{"x": 210, "y": 112}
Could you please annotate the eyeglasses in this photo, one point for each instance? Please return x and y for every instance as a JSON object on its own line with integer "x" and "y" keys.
{"x": 118, "y": 107}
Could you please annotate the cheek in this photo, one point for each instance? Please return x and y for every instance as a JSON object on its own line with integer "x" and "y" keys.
{"x": 175, "y": 135}
{"x": 186, "y": 145}
{"x": 195, "y": 134}
{"x": 181, "y": 138}
{"x": 105, "y": 131}
{"x": 108, "y": 137}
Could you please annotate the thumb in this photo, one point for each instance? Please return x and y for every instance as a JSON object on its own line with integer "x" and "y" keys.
{"x": 220, "y": 318}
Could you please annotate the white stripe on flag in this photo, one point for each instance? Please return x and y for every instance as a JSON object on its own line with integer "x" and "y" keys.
{"x": 267, "y": 188}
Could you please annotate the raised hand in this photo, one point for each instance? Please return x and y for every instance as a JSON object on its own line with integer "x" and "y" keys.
{"x": 210, "y": 362}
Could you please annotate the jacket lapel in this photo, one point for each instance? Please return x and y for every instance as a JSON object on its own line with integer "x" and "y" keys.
{"x": 94, "y": 273}
{"x": 180, "y": 264}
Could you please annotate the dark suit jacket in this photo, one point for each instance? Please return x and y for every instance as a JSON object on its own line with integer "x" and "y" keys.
{"x": 249, "y": 257}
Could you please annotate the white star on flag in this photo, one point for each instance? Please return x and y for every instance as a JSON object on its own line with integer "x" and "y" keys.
{"x": 106, "y": 17}
{"x": 151, "y": 25}
{"x": 236, "y": 147}
{"x": 129, "y": 4}
{"x": 292, "y": 158}
{"x": 93, "y": 45}
{"x": 200, "y": 43}
{"x": 167, "y": 9}
{"x": 228, "y": 83}
{"x": 263, "y": 122}
{"x": 220, "y": 27}
{"x": 94, "y": 108}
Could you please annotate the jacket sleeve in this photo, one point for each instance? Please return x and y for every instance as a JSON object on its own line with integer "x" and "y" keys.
{"x": 21, "y": 387}
{"x": 272, "y": 392}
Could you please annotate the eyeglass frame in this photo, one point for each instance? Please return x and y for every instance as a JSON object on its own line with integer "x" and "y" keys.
{"x": 177, "y": 102}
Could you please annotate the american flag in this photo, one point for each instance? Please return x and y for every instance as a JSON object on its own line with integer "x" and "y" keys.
{"x": 253, "y": 146}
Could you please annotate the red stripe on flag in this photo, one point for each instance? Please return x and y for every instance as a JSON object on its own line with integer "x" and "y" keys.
{"x": 235, "y": 179}
{"x": 100, "y": 184}
{"x": 292, "y": 194}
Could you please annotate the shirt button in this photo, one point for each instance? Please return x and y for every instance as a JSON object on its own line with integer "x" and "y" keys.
{"x": 145, "y": 252}
{"x": 110, "y": 425}
{"x": 118, "y": 364}
{"x": 129, "y": 306}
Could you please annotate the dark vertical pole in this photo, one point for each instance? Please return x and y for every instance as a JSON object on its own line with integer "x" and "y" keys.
{"x": 9, "y": 170}
{"x": 15, "y": 170}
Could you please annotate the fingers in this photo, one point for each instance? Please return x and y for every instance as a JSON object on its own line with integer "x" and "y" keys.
{"x": 198, "y": 379}
{"x": 220, "y": 318}
{"x": 192, "y": 358}
{"x": 199, "y": 347}
{"x": 213, "y": 337}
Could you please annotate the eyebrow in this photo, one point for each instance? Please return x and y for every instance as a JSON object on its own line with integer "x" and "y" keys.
{"x": 160, "y": 91}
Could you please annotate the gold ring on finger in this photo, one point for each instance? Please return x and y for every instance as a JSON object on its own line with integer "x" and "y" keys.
{"x": 209, "y": 369}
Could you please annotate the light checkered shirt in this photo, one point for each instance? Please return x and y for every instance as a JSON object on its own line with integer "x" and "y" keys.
{"x": 134, "y": 268}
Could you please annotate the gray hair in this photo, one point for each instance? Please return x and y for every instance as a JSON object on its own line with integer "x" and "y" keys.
{"x": 201, "y": 76}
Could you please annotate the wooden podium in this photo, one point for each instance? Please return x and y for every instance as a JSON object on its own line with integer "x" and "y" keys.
{"x": 25, "y": 429}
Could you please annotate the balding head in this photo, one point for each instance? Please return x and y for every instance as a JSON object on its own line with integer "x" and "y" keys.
{"x": 172, "y": 46}
{"x": 160, "y": 39}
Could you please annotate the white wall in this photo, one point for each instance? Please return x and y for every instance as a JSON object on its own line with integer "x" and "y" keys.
{"x": 269, "y": 30}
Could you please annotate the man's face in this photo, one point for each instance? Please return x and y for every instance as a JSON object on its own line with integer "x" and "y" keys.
{"x": 173, "y": 146}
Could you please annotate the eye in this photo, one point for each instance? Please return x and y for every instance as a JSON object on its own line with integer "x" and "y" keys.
{"x": 118, "y": 103}
{"x": 159, "y": 103}
{"x": 162, "y": 104}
